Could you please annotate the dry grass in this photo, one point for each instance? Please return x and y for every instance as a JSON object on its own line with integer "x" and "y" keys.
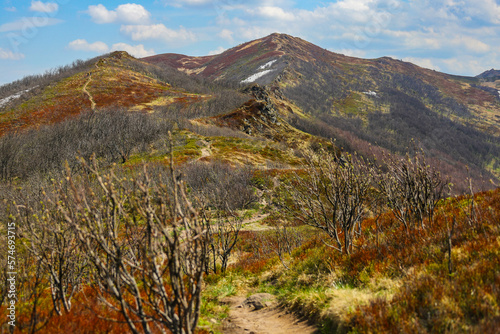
{"x": 112, "y": 85}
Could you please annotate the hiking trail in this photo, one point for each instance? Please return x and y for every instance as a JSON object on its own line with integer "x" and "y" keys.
{"x": 84, "y": 89}
{"x": 261, "y": 314}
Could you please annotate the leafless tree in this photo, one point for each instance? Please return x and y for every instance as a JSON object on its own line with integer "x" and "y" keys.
{"x": 9, "y": 151}
{"x": 146, "y": 244}
{"x": 53, "y": 244}
{"x": 220, "y": 185}
{"x": 412, "y": 189}
{"x": 223, "y": 232}
{"x": 286, "y": 239}
{"x": 330, "y": 195}
{"x": 30, "y": 281}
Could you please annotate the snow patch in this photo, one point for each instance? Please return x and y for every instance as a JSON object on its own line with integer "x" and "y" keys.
{"x": 6, "y": 100}
{"x": 269, "y": 64}
{"x": 498, "y": 93}
{"x": 255, "y": 76}
{"x": 371, "y": 93}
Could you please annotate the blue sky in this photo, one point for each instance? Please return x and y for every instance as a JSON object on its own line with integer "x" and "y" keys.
{"x": 452, "y": 36}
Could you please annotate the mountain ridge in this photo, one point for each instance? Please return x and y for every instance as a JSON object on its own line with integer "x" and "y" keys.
{"x": 383, "y": 102}
{"x": 489, "y": 74}
{"x": 360, "y": 104}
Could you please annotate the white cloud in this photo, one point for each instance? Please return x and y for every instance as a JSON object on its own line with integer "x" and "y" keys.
{"x": 446, "y": 11}
{"x": 133, "y": 13}
{"x": 44, "y": 7}
{"x": 217, "y": 51}
{"x": 137, "y": 51}
{"x": 255, "y": 32}
{"x": 130, "y": 13}
{"x": 226, "y": 34}
{"x": 351, "y": 52}
{"x": 29, "y": 23}
{"x": 83, "y": 45}
{"x": 181, "y": 3}
{"x": 470, "y": 43}
{"x": 355, "y": 11}
{"x": 484, "y": 9}
{"x": 273, "y": 12}
{"x": 101, "y": 47}
{"x": 355, "y": 5}
{"x": 223, "y": 20}
{"x": 11, "y": 9}
{"x": 417, "y": 41}
{"x": 464, "y": 66}
{"x": 451, "y": 38}
{"x": 7, "y": 54}
{"x": 101, "y": 15}
{"x": 423, "y": 62}
{"x": 157, "y": 31}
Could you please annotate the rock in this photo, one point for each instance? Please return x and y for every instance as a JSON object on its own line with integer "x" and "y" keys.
{"x": 259, "y": 301}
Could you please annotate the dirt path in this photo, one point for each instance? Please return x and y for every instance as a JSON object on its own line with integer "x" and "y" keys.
{"x": 260, "y": 314}
{"x": 84, "y": 89}
{"x": 206, "y": 150}
{"x": 255, "y": 224}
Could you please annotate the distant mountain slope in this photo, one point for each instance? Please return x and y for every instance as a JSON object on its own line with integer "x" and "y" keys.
{"x": 236, "y": 64}
{"x": 360, "y": 102}
{"x": 306, "y": 70}
{"x": 490, "y": 75}
{"x": 116, "y": 80}
{"x": 287, "y": 90}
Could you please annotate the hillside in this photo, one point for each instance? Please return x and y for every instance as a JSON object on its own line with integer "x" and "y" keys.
{"x": 490, "y": 75}
{"x": 275, "y": 188}
{"x": 368, "y": 106}
{"x": 381, "y": 102}
{"x": 116, "y": 80}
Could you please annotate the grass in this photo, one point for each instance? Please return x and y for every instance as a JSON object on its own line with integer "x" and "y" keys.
{"x": 401, "y": 285}
{"x": 112, "y": 85}
{"x": 392, "y": 282}
{"x": 351, "y": 105}
{"x": 214, "y": 308}
{"x": 255, "y": 152}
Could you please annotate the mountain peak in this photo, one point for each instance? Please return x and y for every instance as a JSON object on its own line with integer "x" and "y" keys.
{"x": 280, "y": 37}
{"x": 490, "y": 74}
{"x": 120, "y": 55}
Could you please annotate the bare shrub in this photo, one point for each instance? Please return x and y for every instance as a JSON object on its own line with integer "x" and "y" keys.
{"x": 284, "y": 240}
{"x": 329, "y": 195}
{"x": 221, "y": 186}
{"x": 30, "y": 279}
{"x": 412, "y": 189}
{"x": 223, "y": 231}
{"x": 53, "y": 245}
{"x": 145, "y": 241}
{"x": 9, "y": 153}
{"x": 111, "y": 135}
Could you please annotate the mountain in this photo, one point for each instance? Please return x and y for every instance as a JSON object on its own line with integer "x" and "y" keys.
{"x": 193, "y": 171}
{"x": 116, "y": 80}
{"x": 366, "y": 103}
{"x": 288, "y": 91}
{"x": 490, "y": 75}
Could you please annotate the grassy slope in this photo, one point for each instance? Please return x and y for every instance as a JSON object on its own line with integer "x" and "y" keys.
{"x": 400, "y": 283}
{"x": 323, "y": 83}
{"x": 393, "y": 283}
{"x": 113, "y": 84}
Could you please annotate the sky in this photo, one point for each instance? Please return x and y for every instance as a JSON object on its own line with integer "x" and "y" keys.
{"x": 453, "y": 36}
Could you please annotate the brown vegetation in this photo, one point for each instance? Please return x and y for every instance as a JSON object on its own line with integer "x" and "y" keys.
{"x": 148, "y": 232}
